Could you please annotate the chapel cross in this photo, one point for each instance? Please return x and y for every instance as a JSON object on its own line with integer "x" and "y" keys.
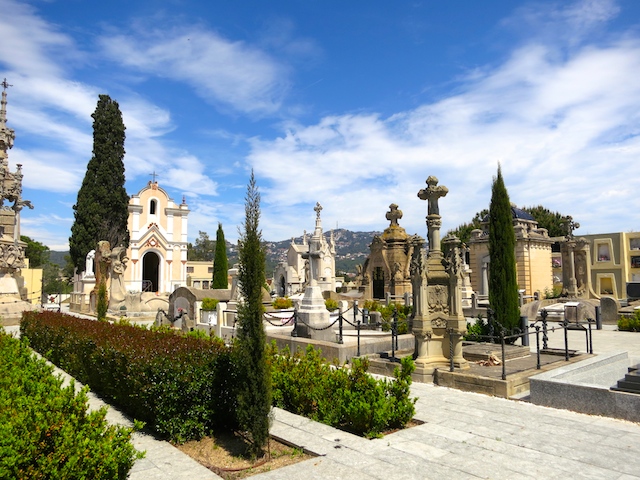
{"x": 154, "y": 175}
{"x": 393, "y": 215}
{"x": 317, "y": 209}
{"x": 5, "y": 85}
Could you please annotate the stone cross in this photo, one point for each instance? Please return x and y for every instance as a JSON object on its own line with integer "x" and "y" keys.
{"x": 393, "y": 215}
{"x": 432, "y": 194}
{"x": 317, "y": 209}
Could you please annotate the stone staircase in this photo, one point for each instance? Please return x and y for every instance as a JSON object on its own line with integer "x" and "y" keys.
{"x": 631, "y": 382}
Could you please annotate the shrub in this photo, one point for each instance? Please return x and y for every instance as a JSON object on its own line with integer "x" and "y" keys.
{"x": 554, "y": 292}
{"x": 102, "y": 302}
{"x": 387, "y": 315}
{"x": 630, "y": 324}
{"x": 182, "y": 387}
{"x": 45, "y": 429}
{"x": 477, "y": 330}
{"x": 343, "y": 397}
{"x": 282, "y": 303}
{"x": 209, "y": 304}
{"x": 331, "y": 304}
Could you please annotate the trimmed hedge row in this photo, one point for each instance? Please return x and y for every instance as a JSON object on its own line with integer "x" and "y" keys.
{"x": 182, "y": 387}
{"x": 46, "y": 431}
{"x": 346, "y": 398}
{"x": 187, "y": 387}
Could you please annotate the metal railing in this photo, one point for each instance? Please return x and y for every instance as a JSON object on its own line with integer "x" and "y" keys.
{"x": 536, "y": 328}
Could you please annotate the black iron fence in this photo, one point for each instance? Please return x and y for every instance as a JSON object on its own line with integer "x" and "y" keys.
{"x": 538, "y": 328}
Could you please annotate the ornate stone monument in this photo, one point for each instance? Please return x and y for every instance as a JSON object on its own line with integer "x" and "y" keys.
{"x": 576, "y": 266}
{"x": 312, "y": 313}
{"x": 437, "y": 283}
{"x": 11, "y": 248}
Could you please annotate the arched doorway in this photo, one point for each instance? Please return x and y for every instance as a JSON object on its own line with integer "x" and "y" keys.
{"x": 151, "y": 272}
{"x": 282, "y": 289}
{"x": 378, "y": 282}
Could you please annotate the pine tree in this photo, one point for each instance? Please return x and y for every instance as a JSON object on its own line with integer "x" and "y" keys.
{"x": 220, "y": 263}
{"x": 503, "y": 281}
{"x": 254, "y": 398}
{"x": 101, "y": 210}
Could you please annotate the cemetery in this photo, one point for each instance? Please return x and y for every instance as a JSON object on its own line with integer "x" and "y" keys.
{"x": 420, "y": 310}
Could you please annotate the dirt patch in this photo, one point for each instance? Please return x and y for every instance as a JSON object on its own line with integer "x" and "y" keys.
{"x": 225, "y": 455}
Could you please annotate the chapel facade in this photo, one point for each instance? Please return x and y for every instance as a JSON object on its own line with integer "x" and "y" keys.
{"x": 157, "y": 250}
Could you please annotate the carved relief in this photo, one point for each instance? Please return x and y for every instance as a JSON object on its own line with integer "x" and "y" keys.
{"x": 439, "y": 323}
{"x": 438, "y": 299}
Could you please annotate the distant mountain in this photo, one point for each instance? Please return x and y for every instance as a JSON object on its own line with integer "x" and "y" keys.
{"x": 352, "y": 249}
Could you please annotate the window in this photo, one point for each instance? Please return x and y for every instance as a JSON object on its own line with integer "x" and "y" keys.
{"x": 196, "y": 284}
{"x": 152, "y": 207}
{"x": 210, "y": 269}
{"x": 635, "y": 262}
{"x": 603, "y": 253}
{"x": 634, "y": 243}
{"x": 189, "y": 269}
{"x": 205, "y": 284}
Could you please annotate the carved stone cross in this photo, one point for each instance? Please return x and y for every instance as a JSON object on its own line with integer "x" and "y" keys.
{"x": 393, "y": 215}
{"x": 432, "y": 194}
{"x": 317, "y": 209}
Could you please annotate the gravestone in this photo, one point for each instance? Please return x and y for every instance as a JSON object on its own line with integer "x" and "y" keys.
{"x": 609, "y": 307}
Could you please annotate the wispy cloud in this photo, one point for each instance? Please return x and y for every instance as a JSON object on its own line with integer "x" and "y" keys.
{"x": 554, "y": 120}
{"x": 224, "y": 72}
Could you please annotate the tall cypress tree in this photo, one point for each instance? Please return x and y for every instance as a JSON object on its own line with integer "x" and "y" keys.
{"x": 101, "y": 210}
{"x": 220, "y": 262}
{"x": 503, "y": 280}
{"x": 254, "y": 398}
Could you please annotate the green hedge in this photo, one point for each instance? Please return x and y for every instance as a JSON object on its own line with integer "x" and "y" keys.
{"x": 187, "y": 387}
{"x": 46, "y": 431}
{"x": 630, "y": 324}
{"x": 346, "y": 398}
{"x": 182, "y": 387}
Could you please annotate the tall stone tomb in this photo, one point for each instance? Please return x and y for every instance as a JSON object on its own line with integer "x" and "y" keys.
{"x": 385, "y": 273}
{"x": 13, "y": 294}
{"x": 438, "y": 323}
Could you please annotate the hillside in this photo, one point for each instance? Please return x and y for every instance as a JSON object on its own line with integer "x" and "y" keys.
{"x": 352, "y": 249}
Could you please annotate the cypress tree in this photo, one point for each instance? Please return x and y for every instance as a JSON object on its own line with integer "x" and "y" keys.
{"x": 503, "y": 281}
{"x": 254, "y": 398}
{"x": 220, "y": 263}
{"x": 101, "y": 210}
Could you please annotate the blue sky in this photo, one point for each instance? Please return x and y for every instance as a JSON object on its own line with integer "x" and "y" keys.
{"x": 350, "y": 104}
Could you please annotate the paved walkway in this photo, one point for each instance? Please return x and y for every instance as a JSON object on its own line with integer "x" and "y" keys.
{"x": 464, "y": 435}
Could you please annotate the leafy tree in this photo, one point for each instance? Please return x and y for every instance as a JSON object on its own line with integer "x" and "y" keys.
{"x": 545, "y": 218}
{"x": 552, "y": 221}
{"x": 36, "y": 252}
{"x": 54, "y": 280}
{"x": 203, "y": 250}
{"x": 220, "y": 264}
{"x": 101, "y": 210}
{"x": 503, "y": 280}
{"x": 463, "y": 232}
{"x": 254, "y": 398}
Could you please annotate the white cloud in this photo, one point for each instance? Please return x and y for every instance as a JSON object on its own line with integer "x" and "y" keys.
{"x": 562, "y": 126}
{"x": 222, "y": 71}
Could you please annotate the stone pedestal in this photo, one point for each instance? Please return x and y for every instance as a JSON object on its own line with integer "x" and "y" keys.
{"x": 313, "y": 315}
